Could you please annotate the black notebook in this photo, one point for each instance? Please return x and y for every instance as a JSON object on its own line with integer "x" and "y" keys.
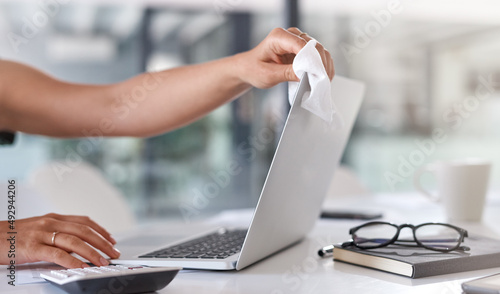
{"x": 416, "y": 262}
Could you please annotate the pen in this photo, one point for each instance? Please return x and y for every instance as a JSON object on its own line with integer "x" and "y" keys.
{"x": 326, "y": 251}
{"x": 350, "y": 215}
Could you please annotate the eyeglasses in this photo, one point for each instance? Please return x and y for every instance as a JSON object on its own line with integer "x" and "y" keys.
{"x": 433, "y": 236}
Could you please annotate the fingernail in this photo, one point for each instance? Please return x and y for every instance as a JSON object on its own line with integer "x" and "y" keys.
{"x": 84, "y": 265}
{"x": 103, "y": 261}
{"x": 117, "y": 252}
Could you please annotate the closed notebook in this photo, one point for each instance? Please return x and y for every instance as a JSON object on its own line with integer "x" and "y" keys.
{"x": 416, "y": 262}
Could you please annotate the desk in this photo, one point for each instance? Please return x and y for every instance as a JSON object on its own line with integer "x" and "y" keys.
{"x": 299, "y": 269}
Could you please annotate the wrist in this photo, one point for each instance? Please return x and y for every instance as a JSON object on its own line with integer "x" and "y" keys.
{"x": 240, "y": 69}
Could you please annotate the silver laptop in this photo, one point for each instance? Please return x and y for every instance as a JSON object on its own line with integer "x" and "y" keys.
{"x": 290, "y": 202}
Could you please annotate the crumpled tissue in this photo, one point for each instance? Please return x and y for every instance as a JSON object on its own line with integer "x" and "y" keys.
{"x": 320, "y": 100}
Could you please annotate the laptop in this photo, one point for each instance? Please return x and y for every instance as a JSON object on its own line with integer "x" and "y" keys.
{"x": 290, "y": 202}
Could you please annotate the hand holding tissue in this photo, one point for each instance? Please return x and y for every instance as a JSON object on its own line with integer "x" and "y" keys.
{"x": 319, "y": 101}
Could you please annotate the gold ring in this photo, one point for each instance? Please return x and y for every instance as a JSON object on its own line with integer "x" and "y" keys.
{"x": 54, "y": 238}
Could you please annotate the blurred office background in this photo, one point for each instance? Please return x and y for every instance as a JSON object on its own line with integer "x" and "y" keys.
{"x": 431, "y": 68}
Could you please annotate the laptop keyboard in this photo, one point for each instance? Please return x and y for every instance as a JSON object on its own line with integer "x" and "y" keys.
{"x": 219, "y": 245}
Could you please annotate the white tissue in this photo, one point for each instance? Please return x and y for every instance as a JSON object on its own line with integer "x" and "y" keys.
{"x": 319, "y": 101}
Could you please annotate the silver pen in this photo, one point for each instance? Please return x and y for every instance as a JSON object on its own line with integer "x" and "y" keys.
{"x": 326, "y": 251}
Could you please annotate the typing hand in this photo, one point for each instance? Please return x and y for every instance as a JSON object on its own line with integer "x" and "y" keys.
{"x": 271, "y": 61}
{"x": 35, "y": 240}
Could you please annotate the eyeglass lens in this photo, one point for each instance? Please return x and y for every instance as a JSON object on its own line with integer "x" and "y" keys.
{"x": 374, "y": 235}
{"x": 438, "y": 236}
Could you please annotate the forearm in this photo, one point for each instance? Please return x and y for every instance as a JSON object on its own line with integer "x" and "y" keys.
{"x": 33, "y": 102}
{"x": 154, "y": 103}
{"x": 145, "y": 105}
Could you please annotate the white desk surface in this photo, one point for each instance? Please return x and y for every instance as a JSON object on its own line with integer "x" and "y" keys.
{"x": 300, "y": 270}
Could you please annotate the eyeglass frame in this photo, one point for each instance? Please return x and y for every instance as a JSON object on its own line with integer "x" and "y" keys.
{"x": 463, "y": 234}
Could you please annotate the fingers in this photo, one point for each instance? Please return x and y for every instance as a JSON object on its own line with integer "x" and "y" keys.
{"x": 71, "y": 243}
{"x": 277, "y": 73}
{"x": 331, "y": 67}
{"x": 285, "y": 42}
{"x": 295, "y": 31}
{"x": 326, "y": 58}
{"x": 84, "y": 220}
{"x": 58, "y": 256}
{"x": 68, "y": 231}
{"x": 75, "y": 234}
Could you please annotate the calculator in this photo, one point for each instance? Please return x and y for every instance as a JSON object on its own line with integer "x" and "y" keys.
{"x": 124, "y": 279}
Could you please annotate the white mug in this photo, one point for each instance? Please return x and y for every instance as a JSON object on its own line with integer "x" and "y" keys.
{"x": 461, "y": 187}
